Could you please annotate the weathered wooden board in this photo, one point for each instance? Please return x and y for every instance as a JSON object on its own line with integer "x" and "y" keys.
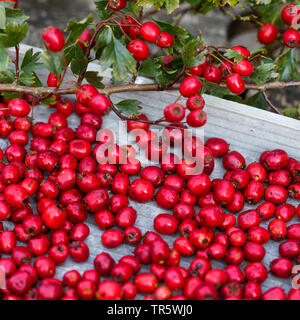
{"x": 248, "y": 130}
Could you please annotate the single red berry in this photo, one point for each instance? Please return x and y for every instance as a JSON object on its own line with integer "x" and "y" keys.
{"x": 117, "y": 4}
{"x": 150, "y": 32}
{"x": 138, "y": 49}
{"x": 291, "y": 38}
{"x": 190, "y": 86}
{"x": 53, "y": 38}
{"x": 290, "y": 14}
{"x": 267, "y": 33}
{"x": 235, "y": 83}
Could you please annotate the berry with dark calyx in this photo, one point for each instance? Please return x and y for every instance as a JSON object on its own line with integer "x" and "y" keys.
{"x": 53, "y": 39}
{"x": 190, "y": 86}
{"x": 274, "y": 160}
{"x": 294, "y": 190}
{"x": 233, "y": 160}
{"x": 138, "y": 49}
{"x": 267, "y": 33}
{"x": 291, "y": 38}
{"x": 117, "y": 4}
{"x": 196, "y": 118}
{"x": 174, "y": 112}
{"x": 79, "y": 251}
{"x": 289, "y": 13}
{"x": 235, "y": 83}
{"x": 195, "y": 102}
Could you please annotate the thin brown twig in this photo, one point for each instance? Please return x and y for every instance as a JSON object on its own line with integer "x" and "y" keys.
{"x": 270, "y": 103}
{"x": 17, "y": 61}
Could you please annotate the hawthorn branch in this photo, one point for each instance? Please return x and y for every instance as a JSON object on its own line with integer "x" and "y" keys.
{"x": 132, "y": 88}
{"x": 17, "y": 62}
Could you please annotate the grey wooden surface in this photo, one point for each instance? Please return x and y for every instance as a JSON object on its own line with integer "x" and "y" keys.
{"x": 248, "y": 130}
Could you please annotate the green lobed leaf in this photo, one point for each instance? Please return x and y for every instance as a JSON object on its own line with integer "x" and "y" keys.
{"x": 287, "y": 66}
{"x": 26, "y": 78}
{"x": 50, "y": 100}
{"x": 150, "y": 68}
{"x": 93, "y": 78}
{"x": 11, "y": 95}
{"x": 116, "y": 55}
{"x": 264, "y": 72}
{"x": 101, "y": 6}
{"x": 13, "y": 34}
{"x": 31, "y": 62}
{"x": 6, "y": 77}
{"x": 73, "y": 51}
{"x": 79, "y": 65}
{"x": 193, "y": 53}
{"x": 53, "y": 62}
{"x": 129, "y": 106}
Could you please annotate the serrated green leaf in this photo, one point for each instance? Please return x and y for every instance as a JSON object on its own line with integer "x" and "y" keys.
{"x": 101, "y": 6}
{"x": 93, "y": 78}
{"x": 232, "y": 54}
{"x": 2, "y": 18}
{"x": 13, "y": 35}
{"x": 53, "y": 62}
{"x": 76, "y": 28}
{"x": 129, "y": 106}
{"x": 51, "y": 100}
{"x": 116, "y": 55}
{"x": 26, "y": 78}
{"x": 72, "y": 52}
{"x": 193, "y": 53}
{"x": 4, "y": 59}
{"x": 6, "y": 77}
{"x": 150, "y": 68}
{"x": 264, "y": 72}
{"x": 79, "y": 65}
{"x": 31, "y": 62}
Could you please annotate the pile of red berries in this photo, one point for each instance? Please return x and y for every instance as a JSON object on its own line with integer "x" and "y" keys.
{"x": 150, "y": 32}
{"x": 290, "y": 16}
{"x": 61, "y": 171}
